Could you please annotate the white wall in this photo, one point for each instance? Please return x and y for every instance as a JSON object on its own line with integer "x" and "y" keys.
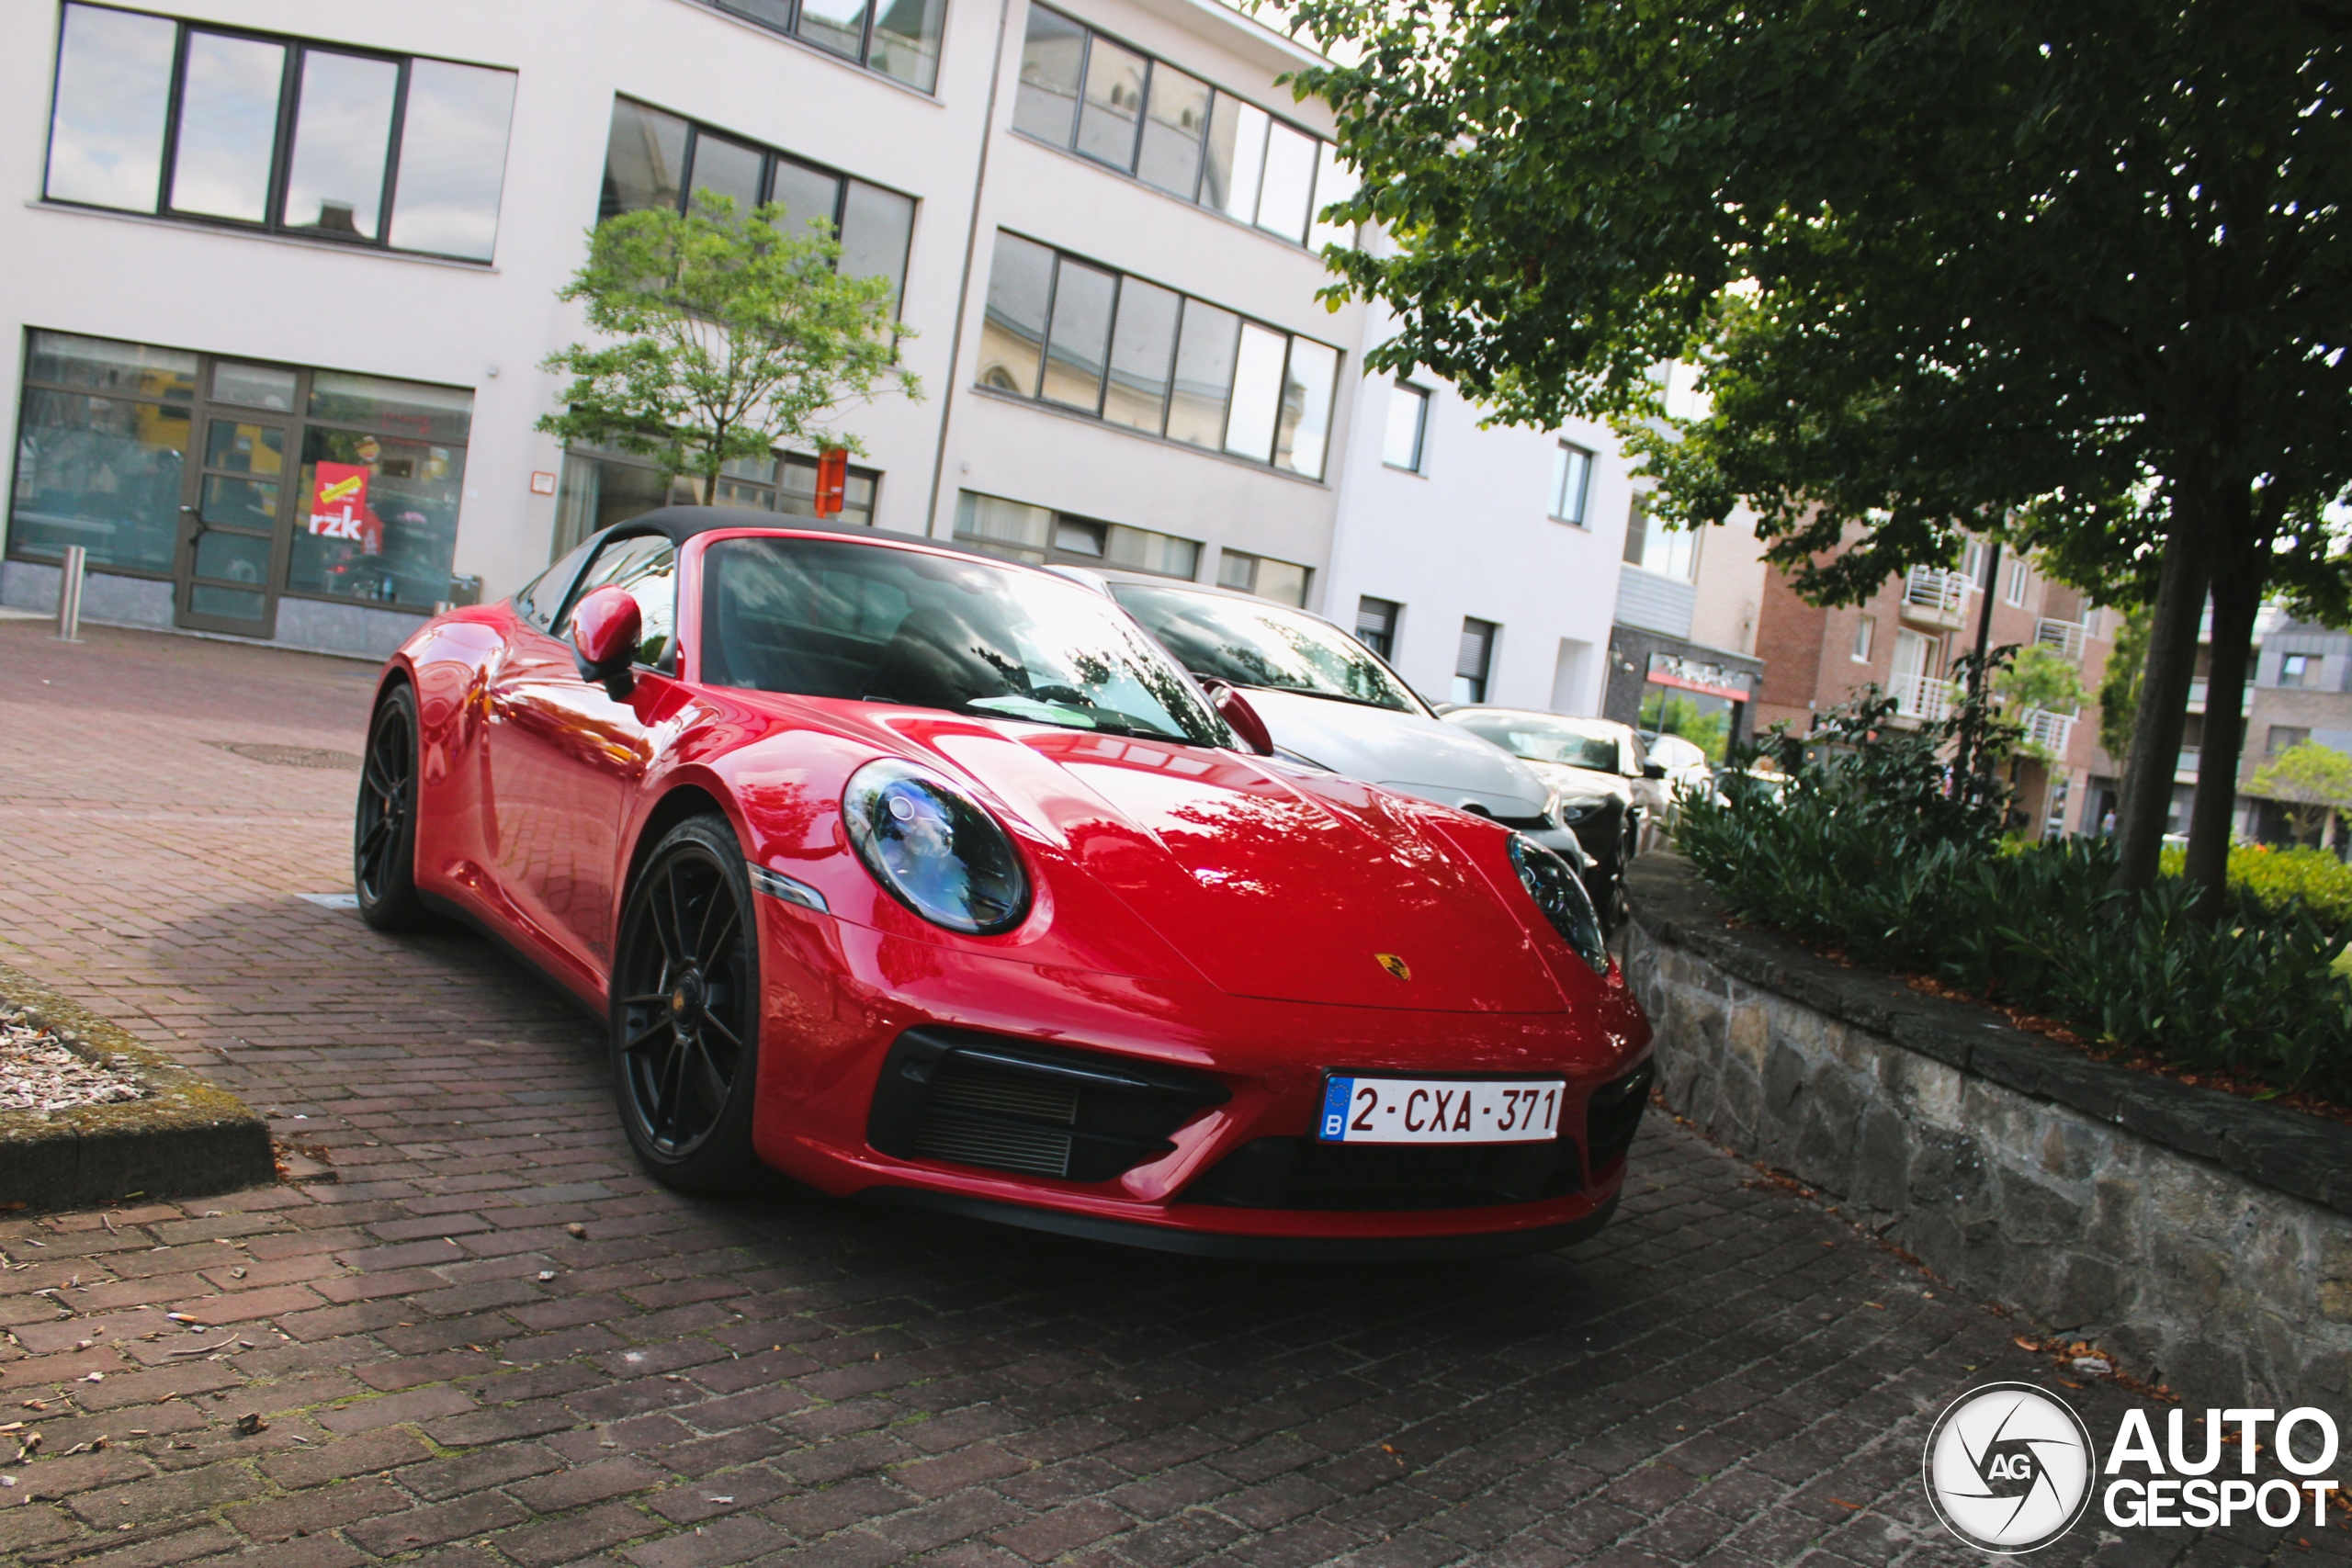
{"x": 1470, "y": 536}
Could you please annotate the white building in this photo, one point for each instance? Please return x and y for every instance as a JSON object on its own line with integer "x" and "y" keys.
{"x": 282, "y": 277}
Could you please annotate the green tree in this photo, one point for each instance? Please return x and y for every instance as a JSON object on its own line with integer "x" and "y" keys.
{"x": 2075, "y": 275}
{"x": 2119, "y": 684}
{"x": 2038, "y": 678}
{"x": 2311, "y": 781}
{"x": 725, "y": 337}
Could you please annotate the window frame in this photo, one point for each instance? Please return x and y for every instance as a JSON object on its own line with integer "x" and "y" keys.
{"x": 1120, "y": 278}
{"x": 285, "y": 126}
{"x": 1481, "y": 681}
{"x": 1052, "y": 552}
{"x": 864, "y": 62}
{"x": 1582, "y": 516}
{"x": 1318, "y": 145}
{"x": 1419, "y": 465}
{"x": 2301, "y": 732}
{"x": 1306, "y": 577}
{"x": 2013, "y": 591}
{"x": 1394, "y": 612}
{"x": 770, "y": 158}
{"x": 1865, "y": 638}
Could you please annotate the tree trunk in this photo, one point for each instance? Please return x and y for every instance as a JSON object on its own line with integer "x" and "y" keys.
{"x": 2164, "y": 703}
{"x": 2241, "y": 572}
{"x": 2237, "y": 598}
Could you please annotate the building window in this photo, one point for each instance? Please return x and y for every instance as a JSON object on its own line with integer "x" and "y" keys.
{"x": 2297, "y": 669}
{"x": 1037, "y": 535}
{"x": 898, "y": 38}
{"x": 656, "y": 158}
{"x": 1571, "y": 479}
{"x": 1408, "y": 422}
{"x": 2019, "y": 571}
{"x": 1376, "y": 625}
{"x": 1264, "y": 576}
{"x": 1865, "y": 628}
{"x": 246, "y": 481}
{"x": 1654, "y": 546}
{"x": 1067, "y": 332}
{"x": 1144, "y": 117}
{"x": 1973, "y": 560}
{"x": 2286, "y": 738}
{"x": 280, "y": 135}
{"x": 1475, "y": 660}
{"x": 601, "y": 487}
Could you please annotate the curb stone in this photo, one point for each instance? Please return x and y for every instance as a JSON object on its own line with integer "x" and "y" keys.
{"x": 188, "y": 1138}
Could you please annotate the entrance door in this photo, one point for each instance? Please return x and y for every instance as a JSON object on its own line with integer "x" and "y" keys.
{"x": 228, "y": 563}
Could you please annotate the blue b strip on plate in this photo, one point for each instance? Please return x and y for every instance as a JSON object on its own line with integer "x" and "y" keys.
{"x": 1337, "y": 1093}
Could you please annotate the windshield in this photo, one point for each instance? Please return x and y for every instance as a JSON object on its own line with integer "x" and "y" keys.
{"x": 826, "y": 618}
{"x": 1540, "y": 739}
{"x": 1252, "y": 645}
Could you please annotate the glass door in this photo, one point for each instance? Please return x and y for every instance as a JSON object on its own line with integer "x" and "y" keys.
{"x": 228, "y": 563}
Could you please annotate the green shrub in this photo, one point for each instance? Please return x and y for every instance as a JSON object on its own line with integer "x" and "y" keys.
{"x": 1869, "y": 850}
{"x": 2278, "y": 876}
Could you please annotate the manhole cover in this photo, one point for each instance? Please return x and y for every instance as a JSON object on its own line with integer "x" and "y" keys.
{"x": 288, "y": 756}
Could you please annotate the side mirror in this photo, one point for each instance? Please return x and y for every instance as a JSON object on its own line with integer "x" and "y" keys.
{"x": 1652, "y": 770}
{"x": 606, "y": 627}
{"x": 1235, "y": 709}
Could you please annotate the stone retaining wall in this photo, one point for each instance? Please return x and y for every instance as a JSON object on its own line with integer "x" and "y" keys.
{"x": 2205, "y": 1237}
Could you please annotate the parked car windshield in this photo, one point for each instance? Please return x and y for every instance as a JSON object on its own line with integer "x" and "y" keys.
{"x": 826, "y": 618}
{"x": 1264, "y": 645}
{"x": 1542, "y": 739}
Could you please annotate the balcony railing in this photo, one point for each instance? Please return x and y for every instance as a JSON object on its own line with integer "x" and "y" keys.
{"x": 1933, "y": 588}
{"x": 2187, "y": 763}
{"x": 2053, "y": 732}
{"x": 2066, "y": 636}
{"x": 1920, "y": 697}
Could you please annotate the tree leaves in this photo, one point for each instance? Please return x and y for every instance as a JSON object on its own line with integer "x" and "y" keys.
{"x": 725, "y": 336}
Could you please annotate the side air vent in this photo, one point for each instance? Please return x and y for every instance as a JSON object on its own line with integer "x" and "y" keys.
{"x": 1613, "y": 1114}
{"x": 972, "y": 1098}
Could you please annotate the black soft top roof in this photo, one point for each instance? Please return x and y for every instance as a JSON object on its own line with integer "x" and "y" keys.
{"x": 683, "y": 523}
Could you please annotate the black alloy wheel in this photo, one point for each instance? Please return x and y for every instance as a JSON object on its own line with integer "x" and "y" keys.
{"x": 685, "y": 1010}
{"x": 383, "y": 837}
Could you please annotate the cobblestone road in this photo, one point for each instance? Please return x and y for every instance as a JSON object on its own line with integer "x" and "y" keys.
{"x": 491, "y": 1340}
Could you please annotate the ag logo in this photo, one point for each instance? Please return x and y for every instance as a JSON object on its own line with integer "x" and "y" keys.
{"x": 2009, "y": 1468}
{"x": 1396, "y": 966}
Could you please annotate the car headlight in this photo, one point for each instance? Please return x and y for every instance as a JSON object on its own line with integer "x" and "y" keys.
{"x": 934, "y": 849}
{"x": 1572, "y": 812}
{"x": 1560, "y": 894}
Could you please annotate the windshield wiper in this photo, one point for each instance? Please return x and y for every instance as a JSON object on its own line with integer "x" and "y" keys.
{"x": 1066, "y": 715}
{"x": 1333, "y": 697}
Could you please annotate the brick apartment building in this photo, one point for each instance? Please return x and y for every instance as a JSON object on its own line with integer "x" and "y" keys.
{"x": 1904, "y": 640}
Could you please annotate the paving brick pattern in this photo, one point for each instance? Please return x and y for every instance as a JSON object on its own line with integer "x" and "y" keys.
{"x": 491, "y": 1340}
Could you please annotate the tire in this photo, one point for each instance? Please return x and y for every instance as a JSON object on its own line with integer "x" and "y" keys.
{"x": 686, "y": 1009}
{"x": 383, "y": 834}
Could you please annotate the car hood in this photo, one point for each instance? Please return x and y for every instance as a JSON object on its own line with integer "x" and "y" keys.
{"x": 1581, "y": 783}
{"x": 1409, "y": 753}
{"x": 1289, "y": 888}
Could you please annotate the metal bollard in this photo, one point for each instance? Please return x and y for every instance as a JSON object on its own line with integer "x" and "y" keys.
{"x": 69, "y": 594}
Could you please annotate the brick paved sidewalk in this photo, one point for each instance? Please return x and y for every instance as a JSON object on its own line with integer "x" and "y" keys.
{"x": 494, "y": 1341}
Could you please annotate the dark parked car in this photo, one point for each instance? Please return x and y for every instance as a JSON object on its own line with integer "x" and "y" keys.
{"x": 1612, "y": 797}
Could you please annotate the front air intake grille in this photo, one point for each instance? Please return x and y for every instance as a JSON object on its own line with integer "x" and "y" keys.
{"x": 971, "y": 1099}
{"x": 1305, "y": 1173}
{"x": 1032, "y": 1150}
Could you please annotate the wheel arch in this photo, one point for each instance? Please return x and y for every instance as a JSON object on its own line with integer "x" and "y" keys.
{"x": 683, "y": 799}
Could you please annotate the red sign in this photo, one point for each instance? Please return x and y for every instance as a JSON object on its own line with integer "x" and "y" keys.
{"x": 1690, "y": 676}
{"x": 339, "y": 507}
{"x": 832, "y": 479}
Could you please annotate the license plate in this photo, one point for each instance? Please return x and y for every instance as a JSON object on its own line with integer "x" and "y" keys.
{"x": 1440, "y": 1111}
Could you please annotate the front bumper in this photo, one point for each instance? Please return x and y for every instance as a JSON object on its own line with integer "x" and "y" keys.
{"x": 844, "y": 1002}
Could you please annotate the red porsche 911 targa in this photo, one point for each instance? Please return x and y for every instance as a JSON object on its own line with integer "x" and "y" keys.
{"x": 926, "y": 877}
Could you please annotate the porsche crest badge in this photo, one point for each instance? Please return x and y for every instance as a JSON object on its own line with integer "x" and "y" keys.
{"x": 1396, "y": 966}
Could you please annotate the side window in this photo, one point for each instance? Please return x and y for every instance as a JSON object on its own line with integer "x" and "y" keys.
{"x": 646, "y": 565}
{"x": 539, "y": 601}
